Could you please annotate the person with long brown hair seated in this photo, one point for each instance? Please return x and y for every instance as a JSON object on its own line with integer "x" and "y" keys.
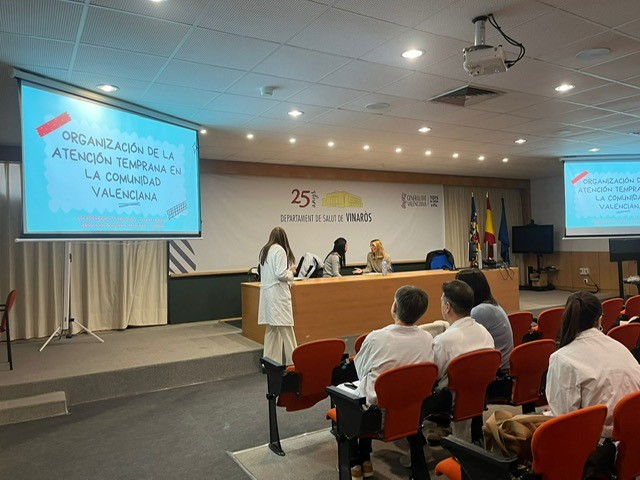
{"x": 277, "y": 268}
{"x": 376, "y": 259}
{"x": 589, "y": 368}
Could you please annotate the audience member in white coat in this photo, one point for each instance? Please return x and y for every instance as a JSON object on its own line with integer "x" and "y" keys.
{"x": 589, "y": 368}
{"x": 401, "y": 343}
{"x": 277, "y": 268}
{"x": 463, "y": 336}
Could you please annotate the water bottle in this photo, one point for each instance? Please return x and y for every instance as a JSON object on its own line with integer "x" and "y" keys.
{"x": 385, "y": 268}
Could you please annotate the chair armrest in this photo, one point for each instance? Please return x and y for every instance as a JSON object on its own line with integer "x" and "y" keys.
{"x": 278, "y": 379}
{"x": 478, "y": 463}
{"x": 354, "y": 416}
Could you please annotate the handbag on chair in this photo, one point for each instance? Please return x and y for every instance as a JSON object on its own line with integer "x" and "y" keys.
{"x": 510, "y": 435}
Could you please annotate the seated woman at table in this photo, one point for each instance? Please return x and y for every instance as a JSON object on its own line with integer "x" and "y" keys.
{"x": 375, "y": 259}
{"x": 335, "y": 259}
{"x": 589, "y": 368}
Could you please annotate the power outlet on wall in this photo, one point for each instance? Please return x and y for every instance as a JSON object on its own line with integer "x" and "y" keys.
{"x": 584, "y": 271}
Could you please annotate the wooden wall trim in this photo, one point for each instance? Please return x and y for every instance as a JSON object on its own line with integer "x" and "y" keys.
{"x": 225, "y": 167}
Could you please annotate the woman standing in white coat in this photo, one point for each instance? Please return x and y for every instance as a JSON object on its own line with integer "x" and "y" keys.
{"x": 277, "y": 268}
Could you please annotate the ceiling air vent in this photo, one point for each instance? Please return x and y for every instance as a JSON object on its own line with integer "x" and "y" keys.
{"x": 466, "y": 96}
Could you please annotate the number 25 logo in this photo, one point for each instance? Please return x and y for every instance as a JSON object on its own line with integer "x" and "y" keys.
{"x": 300, "y": 198}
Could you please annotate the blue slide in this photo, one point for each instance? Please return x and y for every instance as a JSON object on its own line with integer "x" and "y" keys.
{"x": 93, "y": 170}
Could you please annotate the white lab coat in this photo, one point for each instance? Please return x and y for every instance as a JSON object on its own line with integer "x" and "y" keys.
{"x": 275, "y": 293}
{"x": 593, "y": 369}
{"x": 387, "y": 348}
{"x": 463, "y": 336}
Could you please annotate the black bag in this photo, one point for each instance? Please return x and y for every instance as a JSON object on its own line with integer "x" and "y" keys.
{"x": 601, "y": 463}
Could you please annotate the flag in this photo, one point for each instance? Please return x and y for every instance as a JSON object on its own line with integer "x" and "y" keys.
{"x": 503, "y": 236}
{"x": 474, "y": 238}
{"x": 489, "y": 233}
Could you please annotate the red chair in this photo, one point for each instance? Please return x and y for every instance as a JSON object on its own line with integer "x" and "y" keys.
{"x": 560, "y": 448}
{"x": 627, "y": 334}
{"x": 401, "y": 392}
{"x": 469, "y": 376}
{"x": 610, "y": 312}
{"x": 626, "y": 425}
{"x": 358, "y": 343}
{"x": 5, "y": 324}
{"x": 520, "y": 325}
{"x": 549, "y": 323}
{"x": 527, "y": 365}
{"x": 632, "y": 307}
{"x": 316, "y": 365}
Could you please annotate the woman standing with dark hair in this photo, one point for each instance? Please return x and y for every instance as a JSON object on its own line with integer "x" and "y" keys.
{"x": 589, "y": 368}
{"x": 277, "y": 268}
{"x": 488, "y": 313}
{"x": 336, "y": 259}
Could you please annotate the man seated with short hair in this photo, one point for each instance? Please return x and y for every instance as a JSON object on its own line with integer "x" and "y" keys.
{"x": 401, "y": 343}
{"x": 463, "y": 336}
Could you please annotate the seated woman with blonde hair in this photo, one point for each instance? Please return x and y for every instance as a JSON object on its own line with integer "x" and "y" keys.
{"x": 375, "y": 259}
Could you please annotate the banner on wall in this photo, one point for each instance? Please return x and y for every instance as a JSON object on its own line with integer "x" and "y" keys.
{"x": 238, "y": 213}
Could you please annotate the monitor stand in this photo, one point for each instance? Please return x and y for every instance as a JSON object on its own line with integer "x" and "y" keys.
{"x": 539, "y": 276}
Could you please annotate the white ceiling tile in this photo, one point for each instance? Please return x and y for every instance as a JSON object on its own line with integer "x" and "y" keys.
{"x": 300, "y": 64}
{"x": 602, "y": 13}
{"x": 130, "y": 90}
{"x": 364, "y": 76}
{"x": 184, "y": 113}
{"x": 619, "y": 69}
{"x": 547, "y": 109}
{"x": 133, "y": 65}
{"x": 631, "y": 28}
{"x": 23, "y": 51}
{"x": 580, "y": 115}
{"x": 421, "y": 86}
{"x": 345, "y": 33}
{"x": 403, "y": 12}
{"x": 502, "y": 121}
{"x": 606, "y": 93}
{"x": 197, "y": 75}
{"x": 435, "y": 48}
{"x": 361, "y": 103}
{"x": 110, "y": 28}
{"x": 326, "y": 96}
{"x": 263, "y": 19}
{"x": 565, "y": 55}
{"x": 41, "y": 18}
{"x": 185, "y": 11}
{"x": 240, "y": 104}
{"x": 550, "y": 30}
{"x": 450, "y": 68}
{"x": 608, "y": 121}
{"x": 508, "y": 102}
{"x": 345, "y": 118}
{"x": 627, "y": 105}
{"x": 627, "y": 128}
{"x": 223, "y": 49}
{"x": 251, "y": 83}
{"x": 181, "y": 96}
{"x": 281, "y": 109}
{"x": 221, "y": 119}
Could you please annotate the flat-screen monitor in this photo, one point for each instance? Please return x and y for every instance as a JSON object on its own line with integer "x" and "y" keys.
{"x": 93, "y": 170}
{"x": 532, "y": 238}
{"x": 602, "y": 197}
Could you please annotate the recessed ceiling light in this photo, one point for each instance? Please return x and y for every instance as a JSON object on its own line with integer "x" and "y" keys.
{"x": 481, "y": 158}
{"x": 565, "y": 87}
{"x": 292, "y": 140}
{"x": 157, "y": 1}
{"x": 520, "y": 141}
{"x": 295, "y": 113}
{"x": 413, "y": 53}
{"x": 427, "y": 153}
{"x": 203, "y": 131}
{"x": 398, "y": 150}
{"x": 366, "y": 147}
{"x": 331, "y": 144}
{"x": 105, "y": 87}
{"x": 377, "y": 106}
{"x": 424, "y": 129}
{"x": 455, "y": 155}
{"x": 594, "y": 149}
{"x": 505, "y": 159}
{"x": 592, "y": 53}
{"x": 250, "y": 136}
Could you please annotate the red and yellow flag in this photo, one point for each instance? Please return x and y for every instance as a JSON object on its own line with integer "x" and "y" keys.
{"x": 489, "y": 233}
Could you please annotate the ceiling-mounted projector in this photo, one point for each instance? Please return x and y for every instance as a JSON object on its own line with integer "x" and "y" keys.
{"x": 484, "y": 60}
{"x": 481, "y": 59}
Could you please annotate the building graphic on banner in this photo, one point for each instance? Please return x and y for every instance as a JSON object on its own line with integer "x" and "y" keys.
{"x": 342, "y": 200}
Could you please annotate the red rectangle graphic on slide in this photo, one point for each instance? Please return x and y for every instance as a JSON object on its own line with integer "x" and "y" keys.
{"x": 51, "y": 125}
{"x": 579, "y": 177}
